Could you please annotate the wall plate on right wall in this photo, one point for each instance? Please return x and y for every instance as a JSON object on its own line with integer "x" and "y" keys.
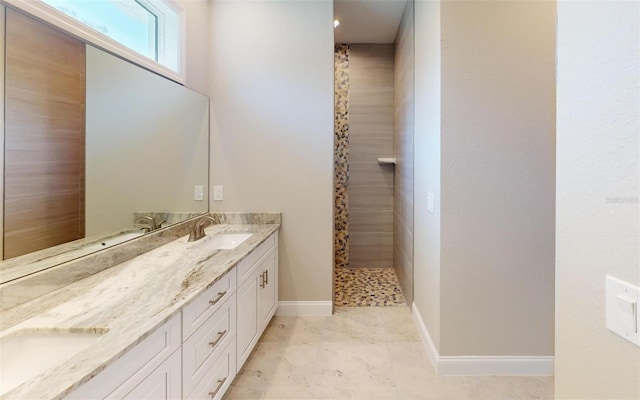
{"x": 622, "y": 300}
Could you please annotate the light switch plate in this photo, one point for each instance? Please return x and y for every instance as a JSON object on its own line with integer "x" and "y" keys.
{"x": 218, "y": 193}
{"x": 622, "y": 301}
{"x": 198, "y": 193}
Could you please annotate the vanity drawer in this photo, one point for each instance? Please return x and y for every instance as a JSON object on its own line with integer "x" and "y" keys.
{"x": 207, "y": 303}
{"x": 203, "y": 348}
{"x": 245, "y": 266}
{"x": 134, "y": 366}
{"x": 218, "y": 378}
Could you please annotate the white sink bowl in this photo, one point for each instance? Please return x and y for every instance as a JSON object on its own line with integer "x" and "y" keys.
{"x": 226, "y": 241}
{"x": 26, "y": 354}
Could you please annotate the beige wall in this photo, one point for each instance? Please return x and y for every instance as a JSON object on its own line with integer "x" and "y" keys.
{"x": 197, "y": 49}
{"x": 597, "y": 194}
{"x": 484, "y": 260}
{"x": 370, "y": 187}
{"x": 498, "y": 178}
{"x": 403, "y": 111}
{"x": 271, "y": 71}
{"x": 426, "y": 246}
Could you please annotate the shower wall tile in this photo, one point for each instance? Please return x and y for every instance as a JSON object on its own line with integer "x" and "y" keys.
{"x": 403, "y": 144}
{"x": 370, "y": 174}
{"x": 367, "y": 220}
{"x": 363, "y": 132}
{"x": 341, "y": 156}
{"x": 367, "y": 149}
{"x": 371, "y": 249}
{"x": 371, "y": 185}
{"x": 372, "y": 197}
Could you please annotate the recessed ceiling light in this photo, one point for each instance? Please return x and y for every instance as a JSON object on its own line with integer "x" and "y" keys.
{"x": 336, "y": 23}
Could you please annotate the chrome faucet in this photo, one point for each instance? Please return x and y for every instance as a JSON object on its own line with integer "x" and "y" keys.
{"x": 197, "y": 231}
{"x": 152, "y": 224}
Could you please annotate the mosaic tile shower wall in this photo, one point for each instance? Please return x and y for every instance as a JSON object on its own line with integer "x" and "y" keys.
{"x": 341, "y": 156}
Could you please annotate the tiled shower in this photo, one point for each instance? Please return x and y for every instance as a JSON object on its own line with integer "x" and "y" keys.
{"x": 364, "y": 210}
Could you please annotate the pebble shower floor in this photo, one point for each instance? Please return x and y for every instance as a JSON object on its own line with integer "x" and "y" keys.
{"x": 367, "y": 287}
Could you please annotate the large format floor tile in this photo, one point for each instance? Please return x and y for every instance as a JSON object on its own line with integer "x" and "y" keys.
{"x": 362, "y": 353}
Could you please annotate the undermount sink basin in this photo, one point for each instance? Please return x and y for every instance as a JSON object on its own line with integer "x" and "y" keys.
{"x": 25, "y": 354}
{"x": 227, "y": 241}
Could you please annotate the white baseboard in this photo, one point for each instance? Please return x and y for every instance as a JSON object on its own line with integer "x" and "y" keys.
{"x": 432, "y": 352}
{"x": 480, "y": 365}
{"x": 304, "y": 308}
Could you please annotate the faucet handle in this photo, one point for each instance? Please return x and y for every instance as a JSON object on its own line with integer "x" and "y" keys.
{"x": 197, "y": 231}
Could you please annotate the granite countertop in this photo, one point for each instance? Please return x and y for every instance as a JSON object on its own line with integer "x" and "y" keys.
{"x": 128, "y": 301}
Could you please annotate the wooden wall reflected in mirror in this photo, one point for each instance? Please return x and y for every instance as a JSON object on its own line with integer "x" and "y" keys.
{"x": 44, "y": 136}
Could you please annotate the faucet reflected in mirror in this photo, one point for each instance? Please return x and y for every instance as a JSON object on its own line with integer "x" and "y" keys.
{"x": 152, "y": 225}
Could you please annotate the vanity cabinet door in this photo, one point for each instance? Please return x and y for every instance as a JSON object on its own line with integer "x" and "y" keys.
{"x": 268, "y": 294}
{"x": 162, "y": 384}
{"x": 247, "y": 319}
{"x": 257, "y": 301}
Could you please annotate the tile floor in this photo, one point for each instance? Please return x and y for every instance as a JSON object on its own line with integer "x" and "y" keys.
{"x": 367, "y": 287}
{"x": 362, "y": 353}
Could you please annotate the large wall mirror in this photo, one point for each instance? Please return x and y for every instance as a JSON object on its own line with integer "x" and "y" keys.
{"x": 96, "y": 150}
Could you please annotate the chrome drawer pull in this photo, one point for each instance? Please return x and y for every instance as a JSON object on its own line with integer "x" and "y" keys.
{"x": 218, "y": 338}
{"x": 266, "y": 276}
{"x": 217, "y": 299}
{"x": 217, "y": 389}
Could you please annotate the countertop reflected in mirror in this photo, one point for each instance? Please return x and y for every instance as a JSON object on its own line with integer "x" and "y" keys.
{"x": 21, "y": 266}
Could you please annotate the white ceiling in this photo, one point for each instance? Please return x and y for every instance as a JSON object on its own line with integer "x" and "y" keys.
{"x": 367, "y": 21}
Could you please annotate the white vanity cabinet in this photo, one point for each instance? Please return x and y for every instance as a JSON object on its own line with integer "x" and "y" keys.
{"x": 257, "y": 296}
{"x": 197, "y": 353}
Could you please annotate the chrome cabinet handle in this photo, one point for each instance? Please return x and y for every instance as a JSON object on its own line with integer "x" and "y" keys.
{"x": 218, "y": 338}
{"x": 217, "y": 299}
{"x": 266, "y": 276}
{"x": 217, "y": 389}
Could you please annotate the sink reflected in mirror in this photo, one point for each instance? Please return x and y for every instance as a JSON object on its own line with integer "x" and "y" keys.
{"x": 114, "y": 240}
{"x": 27, "y": 353}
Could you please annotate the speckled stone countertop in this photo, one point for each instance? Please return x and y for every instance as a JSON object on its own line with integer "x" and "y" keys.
{"x": 129, "y": 300}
